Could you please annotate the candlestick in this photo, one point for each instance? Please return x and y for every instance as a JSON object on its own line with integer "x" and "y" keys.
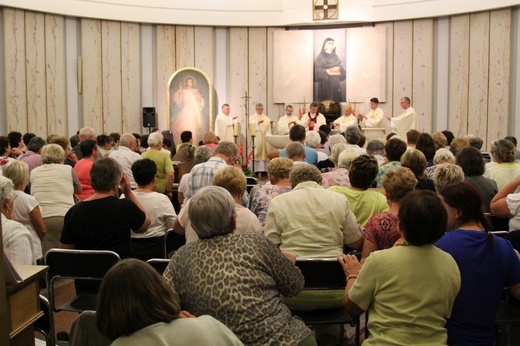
{"x": 235, "y": 128}
{"x": 253, "y": 129}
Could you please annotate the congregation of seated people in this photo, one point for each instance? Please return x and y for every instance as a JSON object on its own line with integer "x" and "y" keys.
{"x": 408, "y": 219}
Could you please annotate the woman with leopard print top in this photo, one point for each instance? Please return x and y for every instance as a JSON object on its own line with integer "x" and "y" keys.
{"x": 236, "y": 278}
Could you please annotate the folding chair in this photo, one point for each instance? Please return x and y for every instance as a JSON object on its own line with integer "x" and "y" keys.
{"x": 498, "y": 223}
{"x": 514, "y": 238}
{"x": 251, "y": 183}
{"x": 84, "y": 267}
{"x": 172, "y": 242}
{"x": 158, "y": 264}
{"x": 325, "y": 274}
{"x": 45, "y": 324}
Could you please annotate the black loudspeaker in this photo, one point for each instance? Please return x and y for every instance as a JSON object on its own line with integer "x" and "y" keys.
{"x": 149, "y": 116}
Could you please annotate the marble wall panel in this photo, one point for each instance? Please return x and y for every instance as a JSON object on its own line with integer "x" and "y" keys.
{"x": 111, "y": 60}
{"x": 130, "y": 78}
{"x": 92, "y": 74}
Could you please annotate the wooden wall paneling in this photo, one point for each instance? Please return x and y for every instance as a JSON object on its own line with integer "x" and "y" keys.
{"x": 185, "y": 47}
{"x": 403, "y": 55}
{"x": 14, "y": 63}
{"x": 478, "y": 74}
{"x": 423, "y": 73}
{"x": 459, "y": 75}
{"x": 130, "y": 78}
{"x": 238, "y": 74}
{"x": 205, "y": 50}
{"x": 204, "y": 53}
{"x": 56, "y": 85}
{"x": 388, "y": 106}
{"x": 499, "y": 74}
{"x": 257, "y": 73}
{"x": 276, "y": 109}
{"x": 35, "y": 72}
{"x": 111, "y": 61}
{"x": 92, "y": 70}
{"x": 165, "y": 37}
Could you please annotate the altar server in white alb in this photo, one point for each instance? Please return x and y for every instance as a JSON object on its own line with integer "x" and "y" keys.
{"x": 287, "y": 121}
{"x": 226, "y": 125}
{"x": 406, "y": 121}
{"x": 374, "y": 117}
{"x": 313, "y": 119}
{"x": 260, "y": 126}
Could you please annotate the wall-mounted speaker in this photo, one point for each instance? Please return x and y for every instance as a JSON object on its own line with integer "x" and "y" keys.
{"x": 149, "y": 115}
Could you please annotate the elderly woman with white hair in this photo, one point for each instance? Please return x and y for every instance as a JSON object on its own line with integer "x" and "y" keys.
{"x": 313, "y": 140}
{"x": 441, "y": 156}
{"x": 26, "y": 209}
{"x": 165, "y": 174}
{"x": 376, "y": 148}
{"x": 53, "y": 185}
{"x": 240, "y": 283}
{"x": 17, "y": 240}
{"x": 339, "y": 176}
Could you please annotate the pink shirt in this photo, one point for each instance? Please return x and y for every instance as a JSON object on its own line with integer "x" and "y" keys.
{"x": 82, "y": 169}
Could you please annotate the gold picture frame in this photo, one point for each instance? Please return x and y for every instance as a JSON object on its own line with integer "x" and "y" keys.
{"x": 190, "y": 107}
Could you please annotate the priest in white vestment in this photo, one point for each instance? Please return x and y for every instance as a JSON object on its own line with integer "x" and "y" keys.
{"x": 406, "y": 121}
{"x": 287, "y": 121}
{"x": 313, "y": 119}
{"x": 346, "y": 120}
{"x": 224, "y": 124}
{"x": 260, "y": 125}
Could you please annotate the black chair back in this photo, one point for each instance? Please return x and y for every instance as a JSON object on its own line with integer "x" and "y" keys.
{"x": 172, "y": 242}
{"x": 514, "y": 238}
{"x": 158, "y": 264}
{"x": 86, "y": 267}
{"x": 322, "y": 273}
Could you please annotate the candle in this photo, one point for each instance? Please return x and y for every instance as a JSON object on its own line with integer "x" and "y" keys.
{"x": 253, "y": 129}
{"x": 235, "y": 128}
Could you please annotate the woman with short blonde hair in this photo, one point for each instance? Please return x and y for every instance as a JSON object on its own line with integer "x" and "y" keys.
{"x": 26, "y": 209}
{"x": 53, "y": 185}
{"x": 278, "y": 171}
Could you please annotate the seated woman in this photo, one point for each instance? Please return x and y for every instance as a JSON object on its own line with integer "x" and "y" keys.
{"x": 236, "y": 278}
{"x": 26, "y": 208}
{"x": 447, "y": 174}
{"x": 363, "y": 202}
{"x": 441, "y": 156}
{"x": 487, "y": 264}
{"x": 416, "y": 161}
{"x": 339, "y": 175}
{"x": 5, "y": 152}
{"x": 233, "y": 180}
{"x": 426, "y": 145}
{"x": 503, "y": 169}
{"x": 85, "y": 226}
{"x": 150, "y": 244}
{"x": 471, "y": 161}
{"x": 136, "y": 307}
{"x": 408, "y": 290}
{"x": 90, "y": 151}
{"x": 278, "y": 170}
{"x": 381, "y": 231}
{"x": 506, "y": 204}
{"x": 394, "y": 149}
{"x": 53, "y": 185}
{"x": 17, "y": 240}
